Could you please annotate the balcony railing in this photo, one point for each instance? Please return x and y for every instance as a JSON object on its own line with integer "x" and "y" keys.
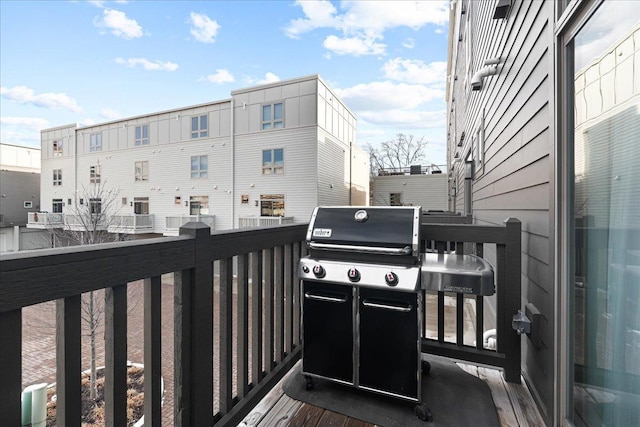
{"x": 85, "y": 222}
{"x": 131, "y": 224}
{"x": 256, "y": 338}
{"x": 45, "y": 220}
{"x": 263, "y": 221}
{"x": 173, "y": 223}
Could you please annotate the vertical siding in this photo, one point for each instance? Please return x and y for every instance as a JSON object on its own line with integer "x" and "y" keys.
{"x": 516, "y": 179}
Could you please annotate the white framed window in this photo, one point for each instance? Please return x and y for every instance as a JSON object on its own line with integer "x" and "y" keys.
{"x": 57, "y": 148}
{"x": 27, "y": 204}
{"x": 142, "y": 170}
{"x": 142, "y": 135}
{"x": 199, "y": 127}
{"x": 273, "y": 161}
{"x": 95, "y": 142}
{"x": 141, "y": 205}
{"x": 56, "y": 205}
{"x": 199, "y": 205}
{"x": 94, "y": 174}
{"x": 199, "y": 166}
{"x": 395, "y": 199}
{"x": 272, "y": 116}
{"x": 57, "y": 177}
{"x": 272, "y": 205}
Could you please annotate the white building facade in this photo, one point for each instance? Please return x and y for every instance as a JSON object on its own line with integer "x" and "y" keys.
{"x": 267, "y": 155}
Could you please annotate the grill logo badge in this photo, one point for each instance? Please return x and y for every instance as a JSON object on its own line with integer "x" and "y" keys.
{"x": 361, "y": 216}
{"x": 321, "y": 232}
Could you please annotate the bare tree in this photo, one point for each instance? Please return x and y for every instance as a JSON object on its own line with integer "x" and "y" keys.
{"x": 398, "y": 153}
{"x": 86, "y": 223}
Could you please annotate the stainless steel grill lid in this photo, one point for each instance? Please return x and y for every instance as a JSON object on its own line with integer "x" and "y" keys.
{"x": 373, "y": 230}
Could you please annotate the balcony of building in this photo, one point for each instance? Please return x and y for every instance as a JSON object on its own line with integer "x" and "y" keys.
{"x": 45, "y": 220}
{"x": 222, "y": 343}
{"x": 173, "y": 223}
{"x": 263, "y": 221}
{"x": 131, "y": 224}
{"x": 413, "y": 170}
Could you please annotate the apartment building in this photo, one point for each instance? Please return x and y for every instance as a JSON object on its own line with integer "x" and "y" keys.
{"x": 268, "y": 155}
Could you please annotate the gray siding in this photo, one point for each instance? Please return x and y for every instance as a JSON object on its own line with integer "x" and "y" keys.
{"x": 428, "y": 191}
{"x": 15, "y": 189}
{"x": 516, "y": 180}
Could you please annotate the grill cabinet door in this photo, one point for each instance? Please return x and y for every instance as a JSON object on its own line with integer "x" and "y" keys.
{"x": 327, "y": 329}
{"x": 389, "y": 354}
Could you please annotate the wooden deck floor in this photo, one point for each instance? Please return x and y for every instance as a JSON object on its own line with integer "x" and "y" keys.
{"x": 514, "y": 404}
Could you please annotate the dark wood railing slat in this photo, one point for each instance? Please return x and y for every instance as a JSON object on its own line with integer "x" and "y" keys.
{"x": 279, "y": 303}
{"x": 441, "y": 317}
{"x": 11, "y": 363}
{"x": 68, "y": 361}
{"x": 296, "y": 295}
{"x": 152, "y": 351}
{"x": 288, "y": 298}
{"x": 182, "y": 344}
{"x": 256, "y": 317}
{"x": 115, "y": 347}
{"x": 242, "y": 329}
{"x": 479, "y": 322}
{"x": 268, "y": 310}
{"x": 460, "y": 319}
{"x": 225, "y": 322}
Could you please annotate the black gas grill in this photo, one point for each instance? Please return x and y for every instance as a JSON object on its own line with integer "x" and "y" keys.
{"x": 362, "y": 305}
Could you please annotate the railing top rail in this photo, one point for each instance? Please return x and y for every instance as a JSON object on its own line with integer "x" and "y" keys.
{"x": 469, "y": 232}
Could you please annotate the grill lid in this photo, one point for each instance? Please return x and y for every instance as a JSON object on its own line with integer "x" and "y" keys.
{"x": 364, "y": 229}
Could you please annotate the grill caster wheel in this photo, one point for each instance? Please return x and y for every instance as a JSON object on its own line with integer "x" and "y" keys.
{"x": 308, "y": 382}
{"x": 423, "y": 413}
{"x": 426, "y": 367}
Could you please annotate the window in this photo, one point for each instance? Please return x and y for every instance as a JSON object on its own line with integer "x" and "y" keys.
{"x": 95, "y": 142}
{"x": 56, "y": 206}
{"x": 95, "y": 206}
{"x": 272, "y": 117}
{"x": 142, "y": 171}
{"x": 199, "y": 205}
{"x": 124, "y": 201}
{"x": 27, "y": 204}
{"x": 273, "y": 161}
{"x": 57, "y": 148}
{"x": 272, "y": 205}
{"x": 94, "y": 174}
{"x": 395, "y": 199}
{"x": 141, "y": 205}
{"x": 57, "y": 177}
{"x": 142, "y": 135}
{"x": 199, "y": 127}
{"x": 177, "y": 200}
{"x": 199, "y": 166}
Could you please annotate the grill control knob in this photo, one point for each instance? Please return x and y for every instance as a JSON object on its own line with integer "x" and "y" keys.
{"x": 318, "y": 271}
{"x": 354, "y": 275}
{"x": 305, "y": 268}
{"x": 391, "y": 278}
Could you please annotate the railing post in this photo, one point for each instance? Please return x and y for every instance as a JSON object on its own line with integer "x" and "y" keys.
{"x": 196, "y": 366}
{"x": 11, "y": 362}
{"x": 512, "y": 294}
{"x": 68, "y": 357}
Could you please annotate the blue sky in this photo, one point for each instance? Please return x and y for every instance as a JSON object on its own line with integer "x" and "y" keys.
{"x": 88, "y": 62}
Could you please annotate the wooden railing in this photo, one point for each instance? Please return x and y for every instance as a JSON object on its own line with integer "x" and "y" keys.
{"x": 262, "y": 305}
{"x": 464, "y": 238}
{"x": 266, "y": 262}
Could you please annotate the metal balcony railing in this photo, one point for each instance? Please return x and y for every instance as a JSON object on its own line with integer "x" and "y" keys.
{"x": 263, "y": 221}
{"x": 131, "y": 224}
{"x": 45, "y": 220}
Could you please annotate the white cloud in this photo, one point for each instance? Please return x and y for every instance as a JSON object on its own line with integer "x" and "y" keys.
{"x": 118, "y": 24}
{"x": 355, "y": 46}
{"x": 147, "y": 64}
{"x": 366, "y": 21}
{"x": 406, "y": 119}
{"x": 221, "y": 76}
{"x": 268, "y": 78}
{"x": 414, "y": 71}
{"x": 110, "y": 114}
{"x": 22, "y": 130}
{"x": 87, "y": 122}
{"x": 409, "y": 43}
{"x": 203, "y": 28}
{"x": 25, "y": 95}
{"x": 388, "y": 95}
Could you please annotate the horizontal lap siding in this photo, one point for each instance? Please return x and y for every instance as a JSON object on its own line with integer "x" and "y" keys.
{"x": 517, "y": 177}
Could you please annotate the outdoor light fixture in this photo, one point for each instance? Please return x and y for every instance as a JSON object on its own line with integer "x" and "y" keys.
{"x": 490, "y": 69}
{"x": 502, "y": 9}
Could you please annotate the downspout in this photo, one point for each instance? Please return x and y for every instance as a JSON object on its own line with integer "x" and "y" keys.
{"x": 233, "y": 168}
{"x": 350, "y": 173}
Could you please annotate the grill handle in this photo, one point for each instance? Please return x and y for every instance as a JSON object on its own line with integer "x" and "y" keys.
{"x": 309, "y": 295}
{"x": 402, "y": 308}
{"x": 363, "y": 249}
